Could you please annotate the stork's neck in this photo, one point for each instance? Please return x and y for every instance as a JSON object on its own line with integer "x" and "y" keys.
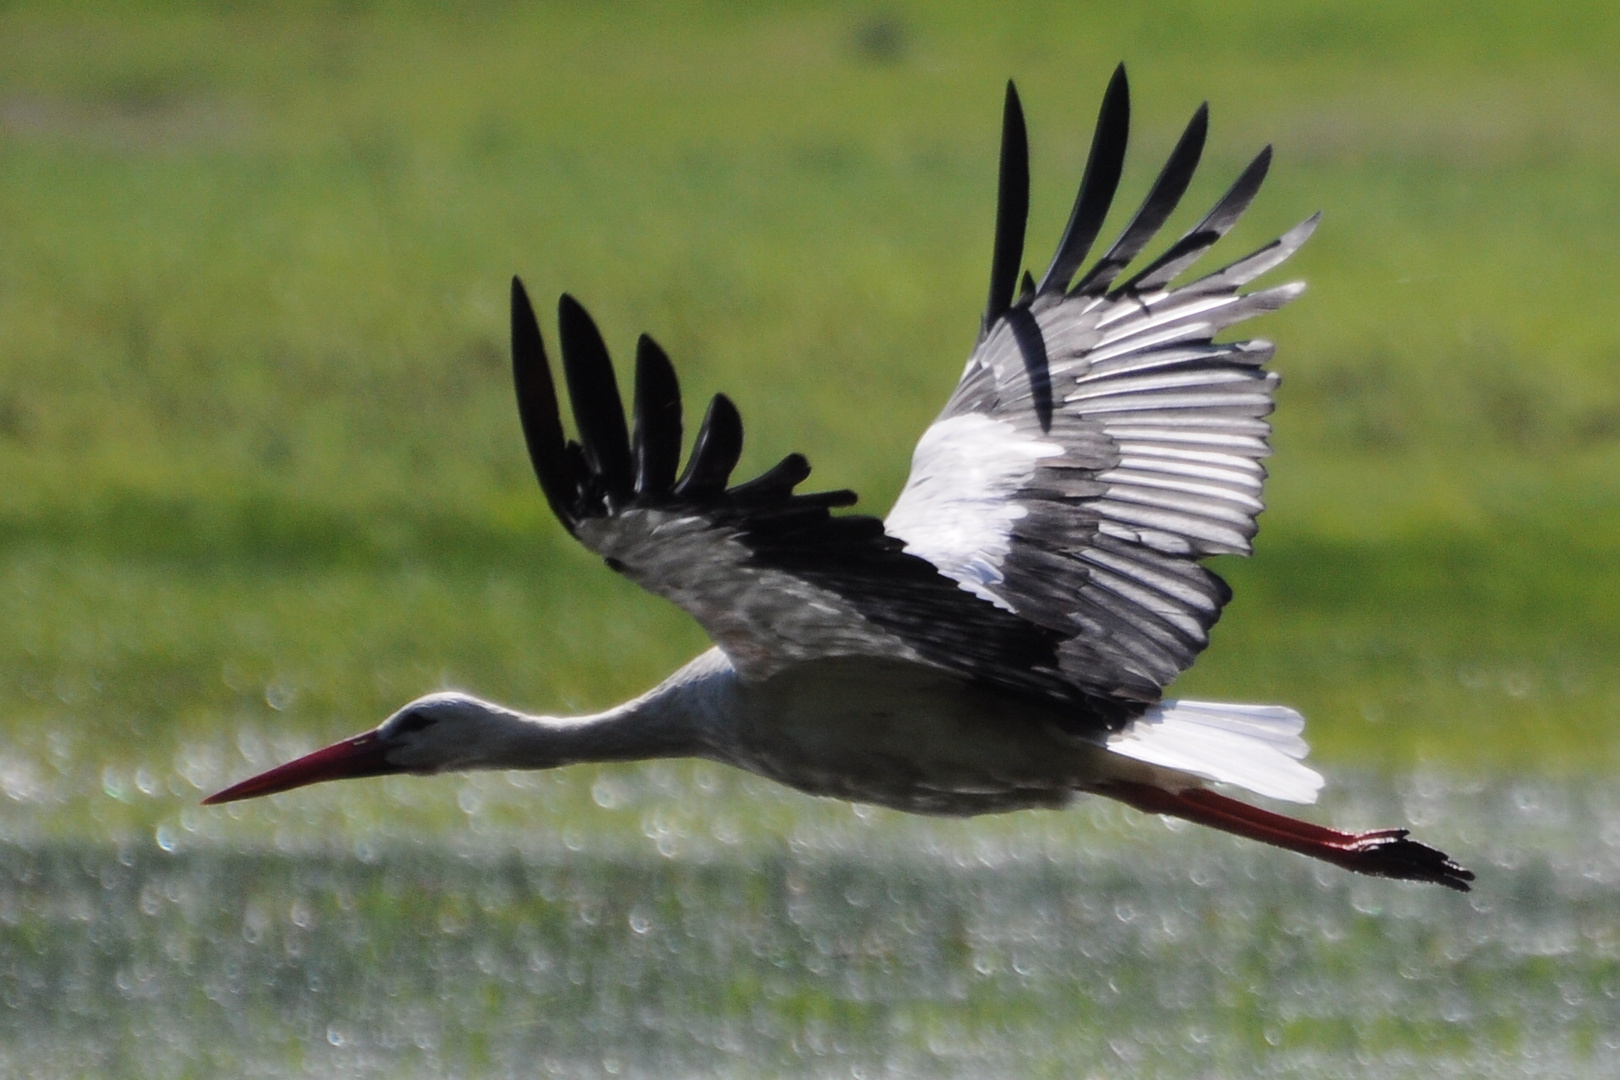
{"x": 675, "y": 719}
{"x": 662, "y": 724}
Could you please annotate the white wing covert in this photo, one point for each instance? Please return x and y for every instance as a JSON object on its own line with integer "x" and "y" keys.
{"x": 1100, "y": 441}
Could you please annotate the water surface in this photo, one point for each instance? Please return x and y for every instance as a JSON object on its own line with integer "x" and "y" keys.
{"x": 1096, "y": 943}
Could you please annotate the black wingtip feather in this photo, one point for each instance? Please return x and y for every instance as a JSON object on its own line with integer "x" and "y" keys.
{"x": 1103, "y": 167}
{"x": 1026, "y": 290}
{"x": 656, "y": 441}
{"x": 1202, "y": 236}
{"x": 777, "y": 482}
{"x": 1161, "y": 201}
{"x": 826, "y": 499}
{"x": 537, "y": 409}
{"x": 594, "y": 394}
{"x": 1012, "y": 208}
{"x": 714, "y": 452}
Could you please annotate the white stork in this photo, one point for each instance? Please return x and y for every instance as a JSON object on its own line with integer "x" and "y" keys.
{"x": 1001, "y": 640}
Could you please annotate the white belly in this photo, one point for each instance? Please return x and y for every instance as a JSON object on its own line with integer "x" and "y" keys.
{"x": 905, "y": 736}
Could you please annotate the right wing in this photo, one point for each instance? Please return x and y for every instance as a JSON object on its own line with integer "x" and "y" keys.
{"x": 1100, "y": 441}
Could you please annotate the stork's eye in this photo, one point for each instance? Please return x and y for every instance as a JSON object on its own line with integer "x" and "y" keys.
{"x": 413, "y": 722}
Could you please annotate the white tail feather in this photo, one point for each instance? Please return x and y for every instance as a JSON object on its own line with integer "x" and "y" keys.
{"x": 1253, "y": 746}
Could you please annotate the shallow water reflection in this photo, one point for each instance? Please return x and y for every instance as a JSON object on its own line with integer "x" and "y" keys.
{"x": 898, "y": 950}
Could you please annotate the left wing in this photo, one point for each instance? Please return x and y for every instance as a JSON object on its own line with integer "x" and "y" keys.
{"x": 772, "y": 576}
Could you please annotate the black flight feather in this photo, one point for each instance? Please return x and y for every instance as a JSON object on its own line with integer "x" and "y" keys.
{"x": 656, "y": 442}
{"x": 824, "y": 500}
{"x": 775, "y": 483}
{"x": 1032, "y": 346}
{"x": 1185, "y": 251}
{"x": 714, "y": 452}
{"x": 1103, "y": 167}
{"x": 594, "y": 394}
{"x": 1012, "y": 209}
{"x": 537, "y": 409}
{"x": 1160, "y": 203}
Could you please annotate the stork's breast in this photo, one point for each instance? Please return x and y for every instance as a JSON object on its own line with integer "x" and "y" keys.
{"x": 909, "y": 737}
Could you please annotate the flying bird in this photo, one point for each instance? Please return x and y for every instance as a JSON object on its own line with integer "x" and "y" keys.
{"x": 1002, "y": 639}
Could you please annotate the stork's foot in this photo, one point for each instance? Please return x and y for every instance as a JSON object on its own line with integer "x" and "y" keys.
{"x": 1382, "y": 852}
{"x": 1389, "y": 853}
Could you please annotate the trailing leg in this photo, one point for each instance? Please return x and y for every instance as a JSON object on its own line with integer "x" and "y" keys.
{"x": 1381, "y": 852}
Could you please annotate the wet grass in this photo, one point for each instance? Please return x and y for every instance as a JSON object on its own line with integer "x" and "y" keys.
{"x": 263, "y": 478}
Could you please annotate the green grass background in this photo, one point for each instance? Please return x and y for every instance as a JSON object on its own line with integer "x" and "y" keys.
{"x": 263, "y": 476}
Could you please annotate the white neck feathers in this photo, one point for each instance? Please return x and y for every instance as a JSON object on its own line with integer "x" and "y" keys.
{"x": 453, "y": 731}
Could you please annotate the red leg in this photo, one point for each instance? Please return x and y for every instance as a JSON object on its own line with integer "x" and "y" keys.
{"x": 1382, "y": 852}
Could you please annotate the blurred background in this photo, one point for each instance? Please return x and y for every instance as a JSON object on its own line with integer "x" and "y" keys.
{"x": 264, "y": 480}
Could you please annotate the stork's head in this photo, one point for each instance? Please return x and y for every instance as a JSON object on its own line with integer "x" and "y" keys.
{"x": 437, "y": 733}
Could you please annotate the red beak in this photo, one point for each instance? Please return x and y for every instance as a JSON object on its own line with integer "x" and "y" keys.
{"x": 359, "y": 755}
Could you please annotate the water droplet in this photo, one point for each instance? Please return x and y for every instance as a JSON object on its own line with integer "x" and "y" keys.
{"x": 1518, "y": 684}
{"x": 112, "y": 784}
{"x": 606, "y": 794}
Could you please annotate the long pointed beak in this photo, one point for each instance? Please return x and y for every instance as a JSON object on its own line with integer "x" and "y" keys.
{"x": 356, "y": 756}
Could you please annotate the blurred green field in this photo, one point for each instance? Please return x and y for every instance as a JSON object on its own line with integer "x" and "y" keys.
{"x": 263, "y": 474}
